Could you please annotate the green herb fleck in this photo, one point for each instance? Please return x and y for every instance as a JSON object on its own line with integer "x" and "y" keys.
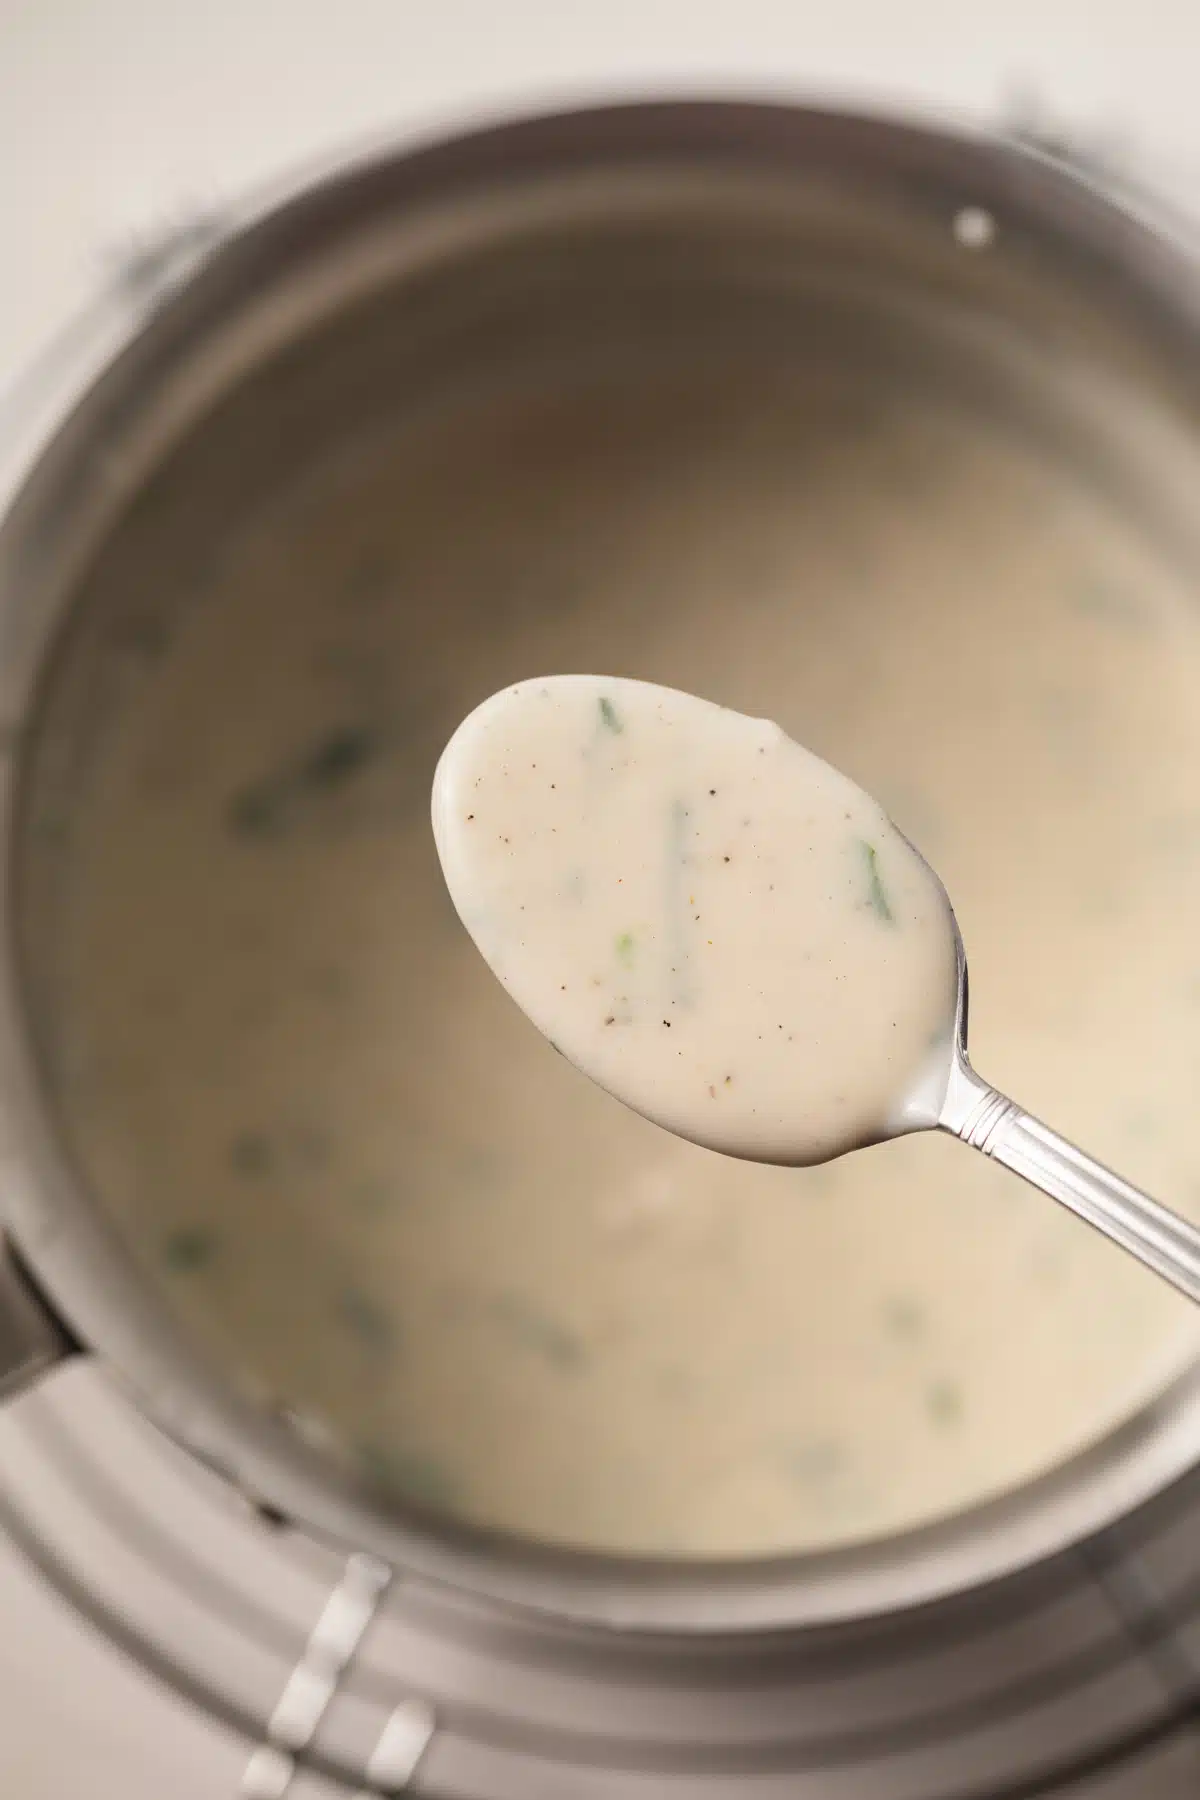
{"x": 311, "y": 1147}
{"x": 1048, "y": 1265}
{"x": 609, "y": 717}
{"x": 408, "y": 1473}
{"x": 368, "y": 579}
{"x": 945, "y": 1403}
{"x": 250, "y": 1154}
{"x": 813, "y": 1460}
{"x": 372, "y": 1196}
{"x": 538, "y": 1332}
{"x": 676, "y": 1383}
{"x": 366, "y": 1320}
{"x": 337, "y": 757}
{"x": 876, "y": 892}
{"x": 820, "y": 1180}
{"x": 679, "y": 906}
{"x": 143, "y": 639}
{"x": 625, "y": 949}
{"x": 1099, "y": 597}
{"x": 265, "y": 807}
{"x": 51, "y": 827}
{"x": 189, "y": 1248}
{"x": 903, "y": 1316}
{"x": 327, "y": 983}
{"x": 256, "y": 811}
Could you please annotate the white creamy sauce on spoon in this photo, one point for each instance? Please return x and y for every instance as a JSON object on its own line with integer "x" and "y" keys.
{"x": 718, "y": 927}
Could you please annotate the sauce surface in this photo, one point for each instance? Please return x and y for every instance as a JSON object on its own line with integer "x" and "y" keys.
{"x": 340, "y": 1149}
{"x": 711, "y": 922}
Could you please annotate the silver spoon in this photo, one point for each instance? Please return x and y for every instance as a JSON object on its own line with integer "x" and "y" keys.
{"x": 558, "y": 747}
{"x": 955, "y": 1099}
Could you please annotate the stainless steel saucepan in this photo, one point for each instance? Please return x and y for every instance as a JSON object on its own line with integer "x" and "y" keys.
{"x": 350, "y": 296}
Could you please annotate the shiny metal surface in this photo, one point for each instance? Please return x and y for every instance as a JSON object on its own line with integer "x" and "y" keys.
{"x": 1078, "y": 1677}
{"x": 951, "y": 1097}
{"x": 695, "y": 196}
{"x": 988, "y": 1121}
{"x": 32, "y": 1341}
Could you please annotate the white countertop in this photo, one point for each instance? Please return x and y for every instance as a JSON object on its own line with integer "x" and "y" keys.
{"x": 114, "y": 110}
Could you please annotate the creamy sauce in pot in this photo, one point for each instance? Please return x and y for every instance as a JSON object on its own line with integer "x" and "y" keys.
{"x": 365, "y": 1181}
{"x": 712, "y": 923}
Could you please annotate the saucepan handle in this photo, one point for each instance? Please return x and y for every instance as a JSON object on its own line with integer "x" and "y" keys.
{"x": 32, "y": 1340}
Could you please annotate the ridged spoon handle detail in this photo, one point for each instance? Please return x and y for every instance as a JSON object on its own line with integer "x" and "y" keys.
{"x": 990, "y": 1122}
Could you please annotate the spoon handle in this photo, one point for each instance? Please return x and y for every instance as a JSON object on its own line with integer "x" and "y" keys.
{"x": 1156, "y": 1236}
